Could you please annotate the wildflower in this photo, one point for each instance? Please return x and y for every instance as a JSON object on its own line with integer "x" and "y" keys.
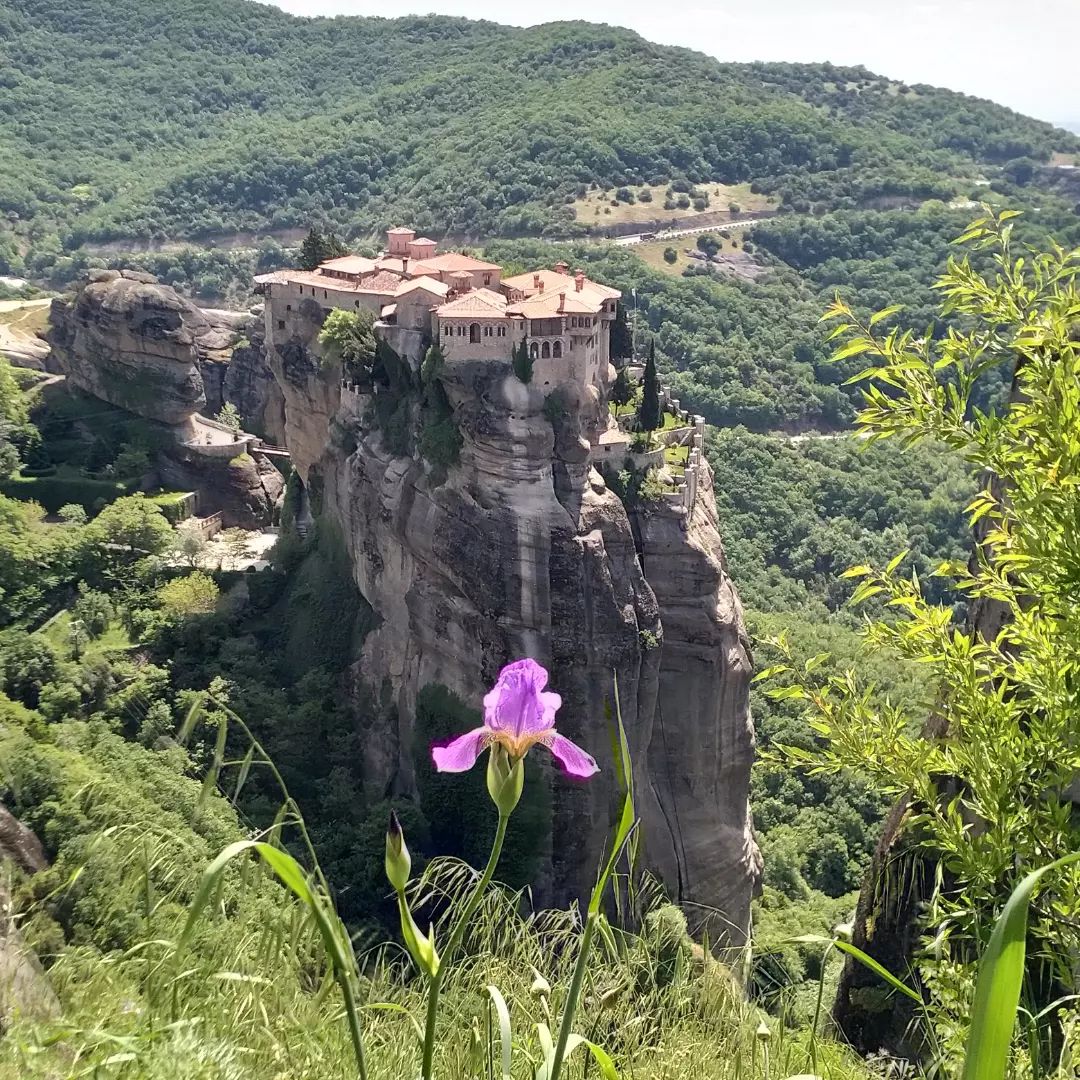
{"x": 518, "y": 714}
{"x": 398, "y": 862}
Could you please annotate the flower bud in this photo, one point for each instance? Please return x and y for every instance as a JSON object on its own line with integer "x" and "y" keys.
{"x": 505, "y": 779}
{"x": 398, "y": 863}
{"x": 763, "y": 1033}
{"x": 540, "y": 986}
{"x": 842, "y": 931}
{"x": 421, "y": 947}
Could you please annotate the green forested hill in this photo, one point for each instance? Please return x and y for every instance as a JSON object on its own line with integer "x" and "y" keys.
{"x": 136, "y": 119}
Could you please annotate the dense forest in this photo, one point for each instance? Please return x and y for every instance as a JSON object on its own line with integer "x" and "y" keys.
{"x": 225, "y": 116}
{"x": 209, "y": 118}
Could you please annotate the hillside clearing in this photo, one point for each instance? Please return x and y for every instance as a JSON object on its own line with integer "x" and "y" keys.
{"x": 596, "y": 207}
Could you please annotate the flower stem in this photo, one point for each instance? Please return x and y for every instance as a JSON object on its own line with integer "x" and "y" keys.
{"x": 571, "y": 1003}
{"x": 435, "y": 982}
{"x": 354, "y": 1021}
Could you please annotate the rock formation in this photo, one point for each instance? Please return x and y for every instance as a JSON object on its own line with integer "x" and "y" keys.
{"x": 24, "y": 988}
{"x": 245, "y": 489}
{"x": 239, "y": 373}
{"x": 130, "y": 341}
{"x": 134, "y": 342}
{"x": 522, "y": 549}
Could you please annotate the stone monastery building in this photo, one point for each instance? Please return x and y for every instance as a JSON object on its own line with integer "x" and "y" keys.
{"x": 417, "y": 295}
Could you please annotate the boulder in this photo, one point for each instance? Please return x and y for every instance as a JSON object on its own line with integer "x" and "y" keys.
{"x": 130, "y": 341}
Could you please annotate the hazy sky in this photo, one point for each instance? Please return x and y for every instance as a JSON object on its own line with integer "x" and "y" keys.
{"x": 1022, "y": 54}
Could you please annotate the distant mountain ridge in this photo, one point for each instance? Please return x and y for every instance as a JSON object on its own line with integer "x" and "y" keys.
{"x": 150, "y": 119}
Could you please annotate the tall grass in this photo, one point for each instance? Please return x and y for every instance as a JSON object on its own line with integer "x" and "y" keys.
{"x": 246, "y": 990}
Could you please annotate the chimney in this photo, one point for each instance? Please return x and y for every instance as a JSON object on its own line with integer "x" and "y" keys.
{"x": 536, "y": 281}
{"x": 541, "y": 281}
{"x": 561, "y": 267}
{"x": 579, "y": 280}
{"x": 404, "y": 265}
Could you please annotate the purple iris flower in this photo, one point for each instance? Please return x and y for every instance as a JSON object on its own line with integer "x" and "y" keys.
{"x": 518, "y": 714}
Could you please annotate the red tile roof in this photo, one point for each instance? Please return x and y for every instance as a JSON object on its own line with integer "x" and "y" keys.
{"x": 449, "y": 261}
{"x": 481, "y": 302}
{"x": 349, "y": 264}
{"x": 382, "y": 282}
{"x": 554, "y": 282}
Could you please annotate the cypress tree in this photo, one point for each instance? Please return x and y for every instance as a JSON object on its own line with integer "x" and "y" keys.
{"x": 522, "y": 362}
{"x": 312, "y": 250}
{"x": 621, "y": 389}
{"x": 622, "y": 344}
{"x": 649, "y": 409}
{"x": 333, "y": 248}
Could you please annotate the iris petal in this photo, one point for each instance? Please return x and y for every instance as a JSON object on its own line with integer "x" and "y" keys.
{"x": 460, "y": 754}
{"x": 572, "y": 758}
{"x": 517, "y": 704}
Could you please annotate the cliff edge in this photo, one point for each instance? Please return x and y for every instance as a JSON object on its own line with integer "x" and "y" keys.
{"x": 520, "y": 548}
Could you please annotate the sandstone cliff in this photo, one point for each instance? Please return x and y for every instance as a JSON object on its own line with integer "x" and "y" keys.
{"x": 521, "y": 549}
{"x": 128, "y": 339}
{"x": 135, "y": 343}
{"x": 131, "y": 342}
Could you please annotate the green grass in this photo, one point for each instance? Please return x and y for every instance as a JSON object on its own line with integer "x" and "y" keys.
{"x": 596, "y": 209}
{"x": 250, "y": 997}
{"x": 55, "y": 632}
{"x": 677, "y": 456}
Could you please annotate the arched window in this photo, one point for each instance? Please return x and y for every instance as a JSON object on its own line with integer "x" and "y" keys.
{"x": 545, "y": 350}
{"x": 446, "y": 330}
{"x": 534, "y": 351}
{"x": 487, "y": 331}
{"x": 556, "y": 349}
{"x": 474, "y": 333}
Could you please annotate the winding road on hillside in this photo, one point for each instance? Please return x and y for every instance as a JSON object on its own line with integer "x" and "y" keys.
{"x": 671, "y": 234}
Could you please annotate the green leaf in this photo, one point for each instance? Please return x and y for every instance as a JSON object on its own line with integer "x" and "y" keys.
{"x": 600, "y": 1056}
{"x": 857, "y": 571}
{"x": 877, "y": 969}
{"x": 1001, "y": 975}
{"x": 852, "y": 348}
{"x": 896, "y": 561}
{"x": 884, "y": 313}
{"x": 504, "y": 1028}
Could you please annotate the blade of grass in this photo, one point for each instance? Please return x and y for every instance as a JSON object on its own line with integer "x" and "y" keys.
{"x": 504, "y": 1029}
{"x": 1000, "y": 978}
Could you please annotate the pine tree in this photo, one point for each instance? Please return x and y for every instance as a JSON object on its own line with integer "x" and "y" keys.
{"x": 649, "y": 409}
{"x": 523, "y": 364}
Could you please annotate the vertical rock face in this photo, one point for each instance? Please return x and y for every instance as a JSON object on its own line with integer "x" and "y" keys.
{"x": 523, "y": 550}
{"x": 703, "y": 738}
{"x": 127, "y": 339}
{"x": 238, "y": 372}
{"x": 130, "y": 341}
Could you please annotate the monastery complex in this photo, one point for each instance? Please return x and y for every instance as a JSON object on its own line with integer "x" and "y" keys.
{"x": 465, "y": 304}
{"x": 420, "y": 296}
